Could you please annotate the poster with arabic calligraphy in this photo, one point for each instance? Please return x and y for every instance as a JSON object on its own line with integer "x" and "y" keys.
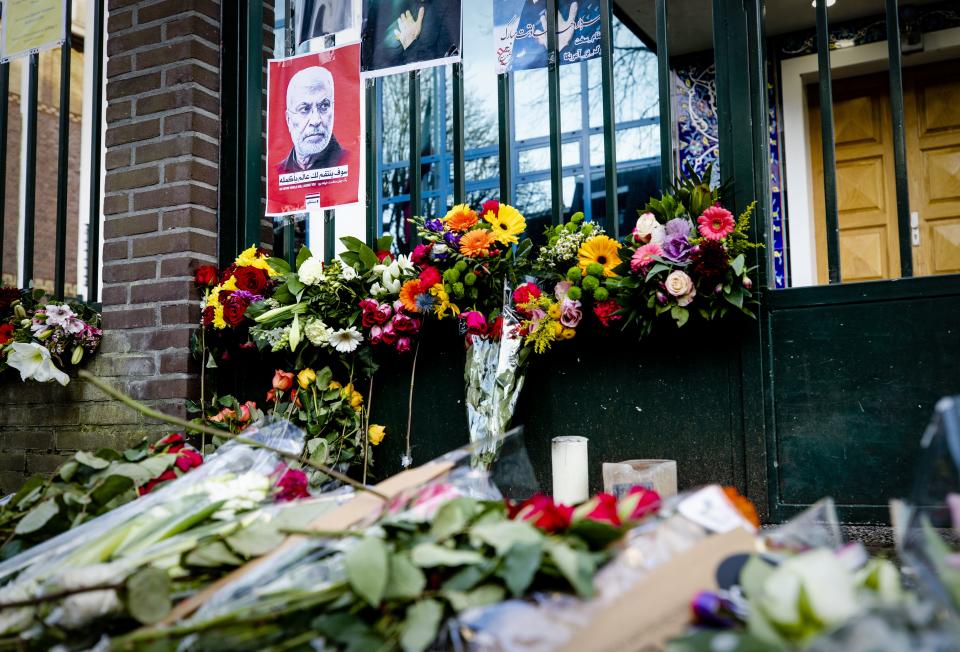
{"x": 520, "y": 32}
{"x": 313, "y": 131}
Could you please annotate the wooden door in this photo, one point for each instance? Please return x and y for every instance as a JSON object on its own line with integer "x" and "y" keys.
{"x": 866, "y": 194}
{"x": 932, "y": 118}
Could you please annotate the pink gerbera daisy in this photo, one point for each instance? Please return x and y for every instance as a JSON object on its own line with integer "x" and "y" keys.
{"x": 716, "y": 223}
{"x": 643, "y": 256}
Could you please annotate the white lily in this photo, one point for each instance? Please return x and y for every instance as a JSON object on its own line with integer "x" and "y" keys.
{"x": 33, "y": 361}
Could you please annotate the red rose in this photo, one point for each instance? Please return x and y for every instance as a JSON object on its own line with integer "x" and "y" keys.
{"x": 282, "y": 380}
{"x": 429, "y": 277}
{"x": 233, "y": 310}
{"x": 491, "y": 205}
{"x": 601, "y": 508}
{"x": 383, "y": 255}
{"x": 227, "y": 273}
{"x": 383, "y": 313}
{"x": 6, "y": 333}
{"x": 208, "y": 314}
{"x": 639, "y": 503}
{"x": 525, "y": 293}
{"x": 368, "y": 319}
{"x": 403, "y": 323}
{"x": 544, "y": 514}
{"x": 206, "y": 276}
{"x": 292, "y": 485}
{"x": 251, "y": 279}
{"x": 188, "y": 459}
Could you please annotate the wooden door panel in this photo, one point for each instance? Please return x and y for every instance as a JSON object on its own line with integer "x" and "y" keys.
{"x": 863, "y": 254}
{"x": 861, "y": 192}
{"x": 941, "y": 174}
{"x": 938, "y": 102}
{"x": 857, "y": 121}
{"x": 944, "y": 238}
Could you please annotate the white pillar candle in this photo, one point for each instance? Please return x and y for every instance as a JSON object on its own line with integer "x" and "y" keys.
{"x": 570, "y": 476}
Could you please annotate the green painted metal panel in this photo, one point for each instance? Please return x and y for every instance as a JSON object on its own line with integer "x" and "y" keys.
{"x": 828, "y": 143}
{"x": 612, "y": 216}
{"x": 63, "y": 154}
{"x": 553, "y": 108}
{"x": 899, "y": 139}
{"x": 253, "y": 124}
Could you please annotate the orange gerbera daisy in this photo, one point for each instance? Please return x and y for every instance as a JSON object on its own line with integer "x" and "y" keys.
{"x": 460, "y": 218}
{"x": 477, "y": 243}
{"x": 408, "y": 294}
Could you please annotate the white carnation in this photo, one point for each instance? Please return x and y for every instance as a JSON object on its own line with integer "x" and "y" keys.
{"x": 311, "y": 271}
{"x": 317, "y": 332}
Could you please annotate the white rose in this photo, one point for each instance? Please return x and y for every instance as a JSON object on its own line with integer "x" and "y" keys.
{"x": 648, "y": 230}
{"x": 680, "y": 285}
{"x": 311, "y": 271}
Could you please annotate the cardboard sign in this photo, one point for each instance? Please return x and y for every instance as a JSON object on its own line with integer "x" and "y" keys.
{"x": 313, "y": 131}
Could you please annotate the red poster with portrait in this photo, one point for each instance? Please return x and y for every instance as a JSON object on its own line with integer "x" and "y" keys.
{"x": 313, "y": 131}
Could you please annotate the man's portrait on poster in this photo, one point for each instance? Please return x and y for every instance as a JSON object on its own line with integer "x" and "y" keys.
{"x": 310, "y": 118}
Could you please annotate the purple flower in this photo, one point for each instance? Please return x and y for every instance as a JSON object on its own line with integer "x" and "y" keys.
{"x": 434, "y": 225}
{"x": 713, "y": 610}
{"x": 677, "y": 227}
{"x": 452, "y": 239}
{"x": 677, "y": 248}
{"x": 248, "y": 296}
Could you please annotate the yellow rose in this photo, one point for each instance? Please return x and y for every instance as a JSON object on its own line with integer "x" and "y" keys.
{"x": 306, "y": 377}
{"x": 376, "y": 433}
{"x": 334, "y": 385}
{"x": 356, "y": 401}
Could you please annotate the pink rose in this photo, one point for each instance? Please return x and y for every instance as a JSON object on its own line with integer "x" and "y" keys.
{"x": 376, "y": 335}
{"x": 476, "y": 323}
{"x": 368, "y": 319}
{"x": 403, "y": 344}
{"x": 383, "y": 313}
{"x": 560, "y": 290}
{"x": 389, "y": 335}
{"x": 570, "y": 313}
{"x": 680, "y": 285}
{"x": 404, "y": 323}
{"x": 368, "y": 305}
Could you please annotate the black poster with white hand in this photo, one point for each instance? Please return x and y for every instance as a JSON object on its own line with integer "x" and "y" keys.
{"x": 399, "y": 35}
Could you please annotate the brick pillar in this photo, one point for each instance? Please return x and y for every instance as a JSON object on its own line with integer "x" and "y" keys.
{"x": 160, "y": 218}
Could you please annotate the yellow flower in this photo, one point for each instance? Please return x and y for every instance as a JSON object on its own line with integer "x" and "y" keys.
{"x": 443, "y": 302}
{"x": 334, "y": 385}
{"x": 218, "y": 320}
{"x": 250, "y": 258}
{"x": 599, "y": 249}
{"x": 356, "y": 400}
{"x": 376, "y": 434}
{"x": 567, "y": 333}
{"x": 306, "y": 377}
{"x": 554, "y": 311}
{"x": 557, "y": 328}
{"x": 507, "y": 224}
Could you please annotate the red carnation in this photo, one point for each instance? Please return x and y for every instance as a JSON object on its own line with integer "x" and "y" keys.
{"x": 233, "y": 310}
{"x": 251, "y": 279}
{"x": 525, "y": 293}
{"x": 429, "y": 277}
{"x": 206, "y": 276}
{"x": 420, "y": 254}
{"x": 605, "y": 311}
{"x": 491, "y": 205}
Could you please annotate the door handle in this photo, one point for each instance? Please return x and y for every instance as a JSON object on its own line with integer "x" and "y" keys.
{"x": 915, "y": 228}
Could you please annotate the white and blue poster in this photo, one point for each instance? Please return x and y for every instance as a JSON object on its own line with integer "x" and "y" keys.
{"x": 520, "y": 32}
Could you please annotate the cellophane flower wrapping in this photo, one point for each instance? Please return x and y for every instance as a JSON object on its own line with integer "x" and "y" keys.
{"x": 494, "y": 376}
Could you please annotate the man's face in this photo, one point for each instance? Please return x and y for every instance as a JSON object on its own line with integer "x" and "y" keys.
{"x": 310, "y": 118}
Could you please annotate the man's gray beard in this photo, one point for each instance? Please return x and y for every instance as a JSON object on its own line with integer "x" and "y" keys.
{"x": 305, "y": 148}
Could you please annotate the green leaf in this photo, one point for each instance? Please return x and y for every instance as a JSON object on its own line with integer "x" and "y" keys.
{"x": 452, "y": 518}
{"x": 303, "y": 255}
{"x": 317, "y": 450}
{"x": 467, "y": 578}
{"x": 279, "y": 265}
{"x": 258, "y": 538}
{"x": 29, "y": 492}
{"x": 680, "y": 314}
{"x": 735, "y": 298}
{"x": 295, "y": 333}
{"x": 366, "y": 565}
{"x": 213, "y": 555}
{"x": 89, "y": 459}
{"x": 157, "y": 464}
{"x": 148, "y": 595}
{"x": 576, "y": 566}
{"x": 368, "y": 257}
{"x": 430, "y": 555}
{"x": 138, "y": 474}
{"x": 520, "y": 566}
{"x": 421, "y": 625}
{"x": 352, "y": 244}
{"x": 737, "y": 264}
{"x": 405, "y": 581}
{"x": 111, "y": 487}
{"x": 384, "y": 243}
{"x": 656, "y": 269}
{"x": 479, "y": 597}
{"x": 68, "y": 469}
{"x": 504, "y": 535}
{"x": 294, "y": 285}
{"x": 38, "y": 517}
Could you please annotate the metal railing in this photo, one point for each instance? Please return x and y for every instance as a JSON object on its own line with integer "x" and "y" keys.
{"x": 93, "y": 47}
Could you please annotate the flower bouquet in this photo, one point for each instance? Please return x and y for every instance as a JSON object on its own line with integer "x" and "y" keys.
{"x": 41, "y": 338}
{"x": 685, "y": 257}
{"x": 468, "y": 262}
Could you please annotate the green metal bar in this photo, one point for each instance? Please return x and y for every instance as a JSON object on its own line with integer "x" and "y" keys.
{"x": 666, "y": 102}
{"x": 899, "y": 139}
{"x": 252, "y": 127}
{"x": 612, "y": 216}
{"x": 289, "y": 239}
{"x": 553, "y": 106}
{"x": 416, "y": 145}
{"x": 459, "y": 171}
{"x": 329, "y": 235}
{"x": 827, "y": 144}
{"x": 96, "y": 137}
{"x": 372, "y": 154}
{"x": 4, "y": 103}
{"x": 503, "y": 132}
{"x": 30, "y": 173}
{"x": 757, "y": 60}
{"x": 63, "y": 162}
